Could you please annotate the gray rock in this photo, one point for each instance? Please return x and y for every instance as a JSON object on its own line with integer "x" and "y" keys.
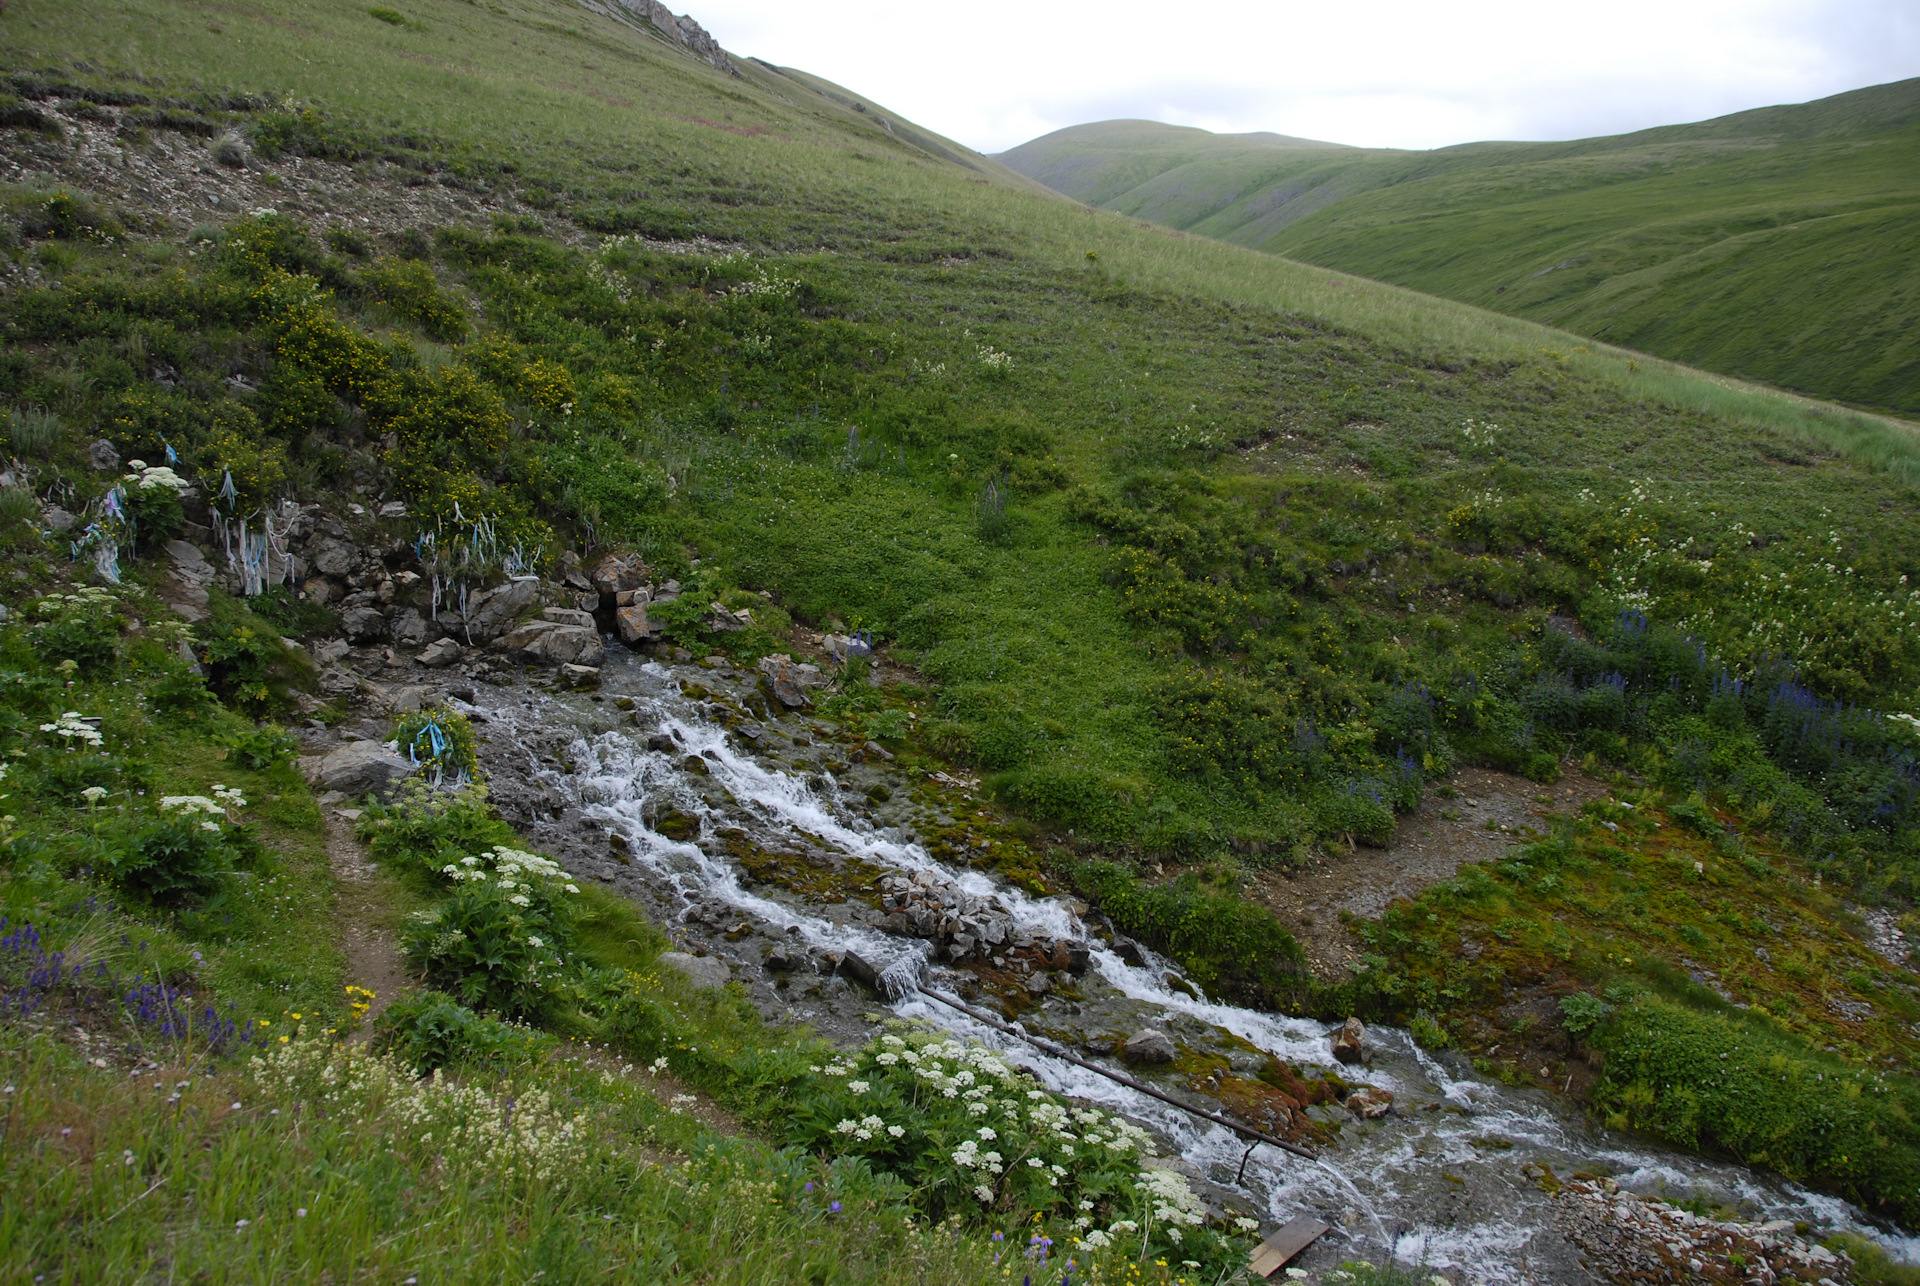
{"x": 332, "y": 557}
{"x": 56, "y": 518}
{"x": 407, "y": 697}
{"x": 704, "y": 972}
{"x": 782, "y": 960}
{"x": 1129, "y": 952}
{"x": 722, "y": 621}
{"x": 568, "y": 616}
{"x": 858, "y": 968}
{"x": 440, "y": 652}
{"x": 787, "y": 681}
{"x": 359, "y": 767}
{"x": 579, "y": 676}
{"x": 320, "y": 590}
{"x": 410, "y": 629}
{"x": 492, "y": 612}
{"x": 364, "y": 624}
{"x": 557, "y": 644}
{"x": 1350, "y": 1043}
{"x": 393, "y": 509}
{"x": 102, "y": 456}
{"x": 1149, "y": 1047}
{"x": 330, "y": 651}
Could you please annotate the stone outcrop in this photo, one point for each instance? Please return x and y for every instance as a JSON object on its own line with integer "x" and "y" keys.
{"x": 492, "y": 612}
{"x": 557, "y": 643}
{"x": 440, "y": 652}
{"x": 619, "y": 573}
{"x": 681, "y": 29}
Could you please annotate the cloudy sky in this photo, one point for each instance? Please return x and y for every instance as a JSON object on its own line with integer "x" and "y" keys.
{"x": 1382, "y": 73}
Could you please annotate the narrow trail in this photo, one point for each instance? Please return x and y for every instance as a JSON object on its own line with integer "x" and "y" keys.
{"x": 362, "y": 914}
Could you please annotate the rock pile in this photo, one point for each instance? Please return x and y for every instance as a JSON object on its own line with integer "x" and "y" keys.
{"x": 961, "y": 925}
{"x": 1634, "y": 1239}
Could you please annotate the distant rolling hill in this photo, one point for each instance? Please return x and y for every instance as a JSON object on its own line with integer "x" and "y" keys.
{"x": 1781, "y": 244}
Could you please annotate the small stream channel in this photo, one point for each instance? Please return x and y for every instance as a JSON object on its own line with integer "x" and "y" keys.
{"x": 1449, "y": 1179}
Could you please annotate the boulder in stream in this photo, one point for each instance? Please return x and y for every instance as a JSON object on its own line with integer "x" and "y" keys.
{"x": 1150, "y": 1047}
{"x": 1350, "y": 1043}
{"x": 1368, "y": 1102}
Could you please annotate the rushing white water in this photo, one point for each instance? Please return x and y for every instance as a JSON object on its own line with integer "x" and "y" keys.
{"x": 1447, "y": 1181}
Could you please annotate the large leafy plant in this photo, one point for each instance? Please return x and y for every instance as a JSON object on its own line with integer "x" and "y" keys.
{"x": 499, "y": 942}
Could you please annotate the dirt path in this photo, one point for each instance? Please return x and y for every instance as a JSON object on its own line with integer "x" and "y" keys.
{"x": 373, "y": 950}
{"x": 1487, "y": 813}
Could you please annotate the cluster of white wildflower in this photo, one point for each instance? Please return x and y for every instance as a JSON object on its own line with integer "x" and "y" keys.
{"x": 968, "y": 1156}
{"x": 152, "y": 477}
{"x": 869, "y": 1127}
{"x": 514, "y": 872}
{"x": 224, "y": 799}
{"x": 993, "y": 359}
{"x": 1174, "y": 1204}
{"x": 769, "y": 283}
{"x": 74, "y": 726}
{"x": 511, "y": 1136}
{"x": 1479, "y": 433}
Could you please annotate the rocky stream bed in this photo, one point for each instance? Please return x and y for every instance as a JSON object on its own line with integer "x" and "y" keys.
{"x": 814, "y": 872}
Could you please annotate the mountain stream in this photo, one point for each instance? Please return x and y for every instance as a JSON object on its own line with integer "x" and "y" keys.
{"x": 674, "y": 786}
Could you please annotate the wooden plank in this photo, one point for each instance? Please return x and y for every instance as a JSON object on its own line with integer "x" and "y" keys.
{"x": 1276, "y": 1250}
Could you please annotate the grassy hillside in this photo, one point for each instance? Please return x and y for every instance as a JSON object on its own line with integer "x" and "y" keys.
{"x": 1775, "y": 245}
{"x": 1205, "y": 560}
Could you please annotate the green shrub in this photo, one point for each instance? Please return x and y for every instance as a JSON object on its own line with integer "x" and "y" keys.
{"x": 32, "y": 432}
{"x": 424, "y": 830}
{"x": 409, "y": 289}
{"x": 1581, "y": 1012}
{"x": 82, "y": 627}
{"x": 1709, "y": 1083}
{"x": 248, "y": 664}
{"x": 1230, "y": 946}
{"x": 429, "y": 1030}
{"x": 259, "y": 748}
{"x": 1427, "y": 1031}
{"x": 499, "y": 942}
{"x": 182, "y": 854}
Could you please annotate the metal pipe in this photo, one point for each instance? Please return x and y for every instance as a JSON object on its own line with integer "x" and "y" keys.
{"x": 1049, "y": 1047}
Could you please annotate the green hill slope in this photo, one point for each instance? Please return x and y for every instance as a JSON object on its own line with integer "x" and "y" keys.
{"x": 1198, "y": 564}
{"x": 1781, "y": 244}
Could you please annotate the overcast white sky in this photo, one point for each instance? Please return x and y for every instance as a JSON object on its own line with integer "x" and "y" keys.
{"x": 1391, "y": 73}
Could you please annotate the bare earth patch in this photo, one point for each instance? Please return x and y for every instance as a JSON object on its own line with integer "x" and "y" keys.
{"x": 366, "y": 936}
{"x": 1490, "y": 812}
